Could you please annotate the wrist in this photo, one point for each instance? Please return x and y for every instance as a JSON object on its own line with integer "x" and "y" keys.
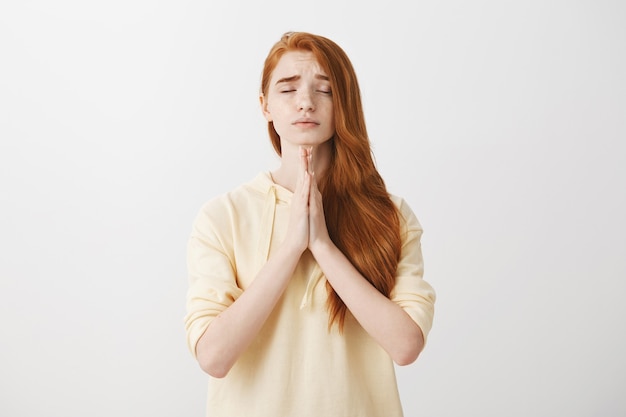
{"x": 320, "y": 248}
{"x": 291, "y": 249}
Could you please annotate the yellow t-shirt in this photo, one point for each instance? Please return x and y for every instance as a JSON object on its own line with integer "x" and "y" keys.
{"x": 295, "y": 367}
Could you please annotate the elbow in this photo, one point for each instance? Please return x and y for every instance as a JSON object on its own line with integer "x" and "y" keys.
{"x": 406, "y": 357}
{"x": 212, "y": 360}
{"x": 410, "y": 349}
{"x": 215, "y": 372}
{"x": 217, "y": 369}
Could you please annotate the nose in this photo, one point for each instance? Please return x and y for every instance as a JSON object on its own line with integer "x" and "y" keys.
{"x": 305, "y": 101}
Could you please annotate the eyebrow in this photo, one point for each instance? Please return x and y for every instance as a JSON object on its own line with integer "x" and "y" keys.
{"x": 297, "y": 77}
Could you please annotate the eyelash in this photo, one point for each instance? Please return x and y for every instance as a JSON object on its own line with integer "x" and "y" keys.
{"x": 319, "y": 91}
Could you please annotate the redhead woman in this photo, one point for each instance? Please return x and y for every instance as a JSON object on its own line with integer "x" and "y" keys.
{"x": 305, "y": 284}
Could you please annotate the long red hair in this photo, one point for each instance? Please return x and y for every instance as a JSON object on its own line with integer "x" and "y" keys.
{"x": 361, "y": 218}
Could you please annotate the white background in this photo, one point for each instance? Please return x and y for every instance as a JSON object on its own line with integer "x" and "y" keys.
{"x": 502, "y": 123}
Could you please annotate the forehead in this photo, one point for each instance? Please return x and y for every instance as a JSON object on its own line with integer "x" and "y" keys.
{"x": 297, "y": 63}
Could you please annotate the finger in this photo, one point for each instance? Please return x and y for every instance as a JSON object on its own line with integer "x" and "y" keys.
{"x": 317, "y": 224}
{"x": 315, "y": 187}
{"x": 306, "y": 189}
{"x": 315, "y": 199}
{"x": 302, "y": 169}
{"x": 304, "y": 159}
{"x": 314, "y": 180}
{"x": 310, "y": 160}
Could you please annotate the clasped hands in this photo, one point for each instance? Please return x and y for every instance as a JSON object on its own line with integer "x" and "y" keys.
{"x": 307, "y": 225}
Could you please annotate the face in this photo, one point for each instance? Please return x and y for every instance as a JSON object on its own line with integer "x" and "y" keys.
{"x": 299, "y": 101}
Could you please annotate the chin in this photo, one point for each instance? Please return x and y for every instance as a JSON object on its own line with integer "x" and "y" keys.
{"x": 313, "y": 141}
{"x": 305, "y": 143}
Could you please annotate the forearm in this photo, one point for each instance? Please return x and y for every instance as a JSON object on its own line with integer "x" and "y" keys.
{"x": 231, "y": 332}
{"x": 381, "y": 318}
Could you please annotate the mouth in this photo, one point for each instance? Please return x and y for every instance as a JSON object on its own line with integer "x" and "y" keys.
{"x": 305, "y": 121}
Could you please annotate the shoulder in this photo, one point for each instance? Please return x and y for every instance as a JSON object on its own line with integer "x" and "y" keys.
{"x": 241, "y": 197}
{"x": 224, "y": 209}
{"x": 408, "y": 219}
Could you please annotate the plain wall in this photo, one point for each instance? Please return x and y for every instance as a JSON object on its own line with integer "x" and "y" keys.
{"x": 503, "y": 124}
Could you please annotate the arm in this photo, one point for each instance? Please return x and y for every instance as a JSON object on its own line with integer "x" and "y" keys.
{"x": 232, "y": 331}
{"x": 381, "y": 317}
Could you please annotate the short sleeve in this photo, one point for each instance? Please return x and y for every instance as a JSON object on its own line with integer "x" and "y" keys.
{"x": 211, "y": 273}
{"x": 411, "y": 291}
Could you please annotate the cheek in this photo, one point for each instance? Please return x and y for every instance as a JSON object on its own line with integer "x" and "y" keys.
{"x": 331, "y": 117}
{"x": 280, "y": 124}
{"x": 277, "y": 108}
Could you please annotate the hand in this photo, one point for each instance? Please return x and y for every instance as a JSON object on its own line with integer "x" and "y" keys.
{"x": 298, "y": 228}
{"x": 318, "y": 231}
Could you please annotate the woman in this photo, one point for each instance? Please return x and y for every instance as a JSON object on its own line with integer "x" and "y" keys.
{"x": 306, "y": 283}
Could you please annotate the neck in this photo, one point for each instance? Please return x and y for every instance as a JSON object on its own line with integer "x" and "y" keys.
{"x": 287, "y": 173}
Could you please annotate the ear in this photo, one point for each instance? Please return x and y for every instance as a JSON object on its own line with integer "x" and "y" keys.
{"x": 264, "y": 108}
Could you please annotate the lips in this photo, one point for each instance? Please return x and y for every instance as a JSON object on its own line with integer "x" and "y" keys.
{"x": 306, "y": 121}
